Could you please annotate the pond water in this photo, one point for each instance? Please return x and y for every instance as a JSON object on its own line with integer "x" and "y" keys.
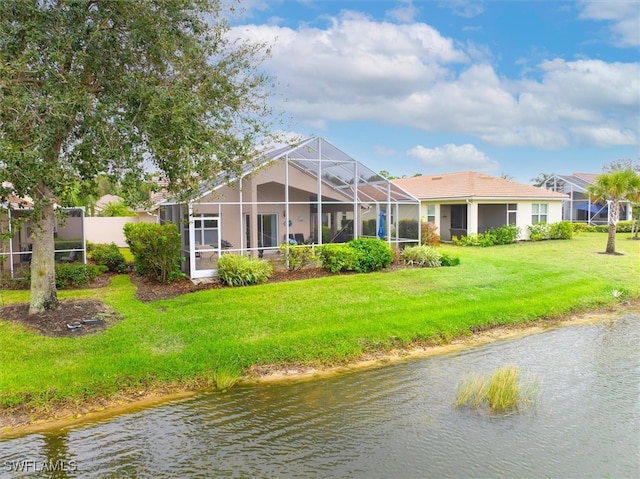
{"x": 396, "y": 421}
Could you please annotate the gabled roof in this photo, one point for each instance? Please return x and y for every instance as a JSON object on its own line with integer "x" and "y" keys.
{"x": 317, "y": 157}
{"x": 473, "y": 185}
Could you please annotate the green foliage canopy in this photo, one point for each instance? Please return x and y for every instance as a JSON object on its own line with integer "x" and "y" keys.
{"x": 116, "y": 87}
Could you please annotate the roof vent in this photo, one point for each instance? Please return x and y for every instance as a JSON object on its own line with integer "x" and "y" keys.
{"x": 436, "y": 178}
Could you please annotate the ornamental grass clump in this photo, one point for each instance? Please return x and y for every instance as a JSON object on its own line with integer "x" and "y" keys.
{"x": 296, "y": 257}
{"x": 239, "y": 270}
{"x": 503, "y": 391}
{"x": 423, "y": 255}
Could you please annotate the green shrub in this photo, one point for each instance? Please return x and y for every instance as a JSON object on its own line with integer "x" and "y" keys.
{"x": 561, "y": 230}
{"x": 423, "y": 255}
{"x": 68, "y": 275}
{"x": 624, "y": 226}
{"x": 428, "y": 234}
{"x": 545, "y": 231}
{"x": 108, "y": 255}
{"x": 77, "y": 274}
{"x": 337, "y": 257}
{"x": 582, "y": 227}
{"x": 239, "y": 270}
{"x": 298, "y": 256}
{"x": 447, "y": 259}
{"x": 538, "y": 231}
{"x": 373, "y": 254}
{"x": 468, "y": 240}
{"x": 155, "y": 249}
{"x": 506, "y": 234}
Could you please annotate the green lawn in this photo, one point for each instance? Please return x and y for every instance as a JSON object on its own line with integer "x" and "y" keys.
{"x": 200, "y": 338}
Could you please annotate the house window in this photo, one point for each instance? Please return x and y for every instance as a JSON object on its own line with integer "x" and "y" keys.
{"x": 539, "y": 213}
{"x": 431, "y": 213}
{"x": 206, "y": 231}
{"x": 512, "y": 211}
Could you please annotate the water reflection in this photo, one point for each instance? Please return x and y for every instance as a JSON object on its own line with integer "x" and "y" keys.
{"x": 397, "y": 421}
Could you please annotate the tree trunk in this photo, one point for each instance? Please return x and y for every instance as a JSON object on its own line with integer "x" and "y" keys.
{"x": 44, "y": 295}
{"x": 614, "y": 215}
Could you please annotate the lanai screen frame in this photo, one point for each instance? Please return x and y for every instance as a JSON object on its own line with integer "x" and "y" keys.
{"x": 340, "y": 183}
{"x": 16, "y": 257}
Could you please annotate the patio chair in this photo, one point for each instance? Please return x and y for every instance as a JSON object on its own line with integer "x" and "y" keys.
{"x": 299, "y": 237}
{"x": 70, "y": 258}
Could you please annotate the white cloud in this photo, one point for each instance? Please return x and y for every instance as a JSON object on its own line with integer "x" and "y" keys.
{"x": 384, "y": 151}
{"x": 464, "y": 8}
{"x": 408, "y": 75}
{"x": 404, "y": 13}
{"x": 454, "y": 158}
{"x": 623, "y": 17}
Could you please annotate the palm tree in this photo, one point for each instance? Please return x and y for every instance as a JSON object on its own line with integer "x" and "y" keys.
{"x": 634, "y": 199}
{"x": 613, "y": 188}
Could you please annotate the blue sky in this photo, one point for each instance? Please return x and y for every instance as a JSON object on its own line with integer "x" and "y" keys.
{"x": 502, "y": 87}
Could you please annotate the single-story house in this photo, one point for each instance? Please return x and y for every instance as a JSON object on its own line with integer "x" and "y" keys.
{"x": 580, "y": 207}
{"x": 468, "y": 202}
{"x": 311, "y": 193}
{"x": 16, "y": 243}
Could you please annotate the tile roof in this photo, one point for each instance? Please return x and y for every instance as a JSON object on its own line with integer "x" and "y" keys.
{"x": 471, "y": 184}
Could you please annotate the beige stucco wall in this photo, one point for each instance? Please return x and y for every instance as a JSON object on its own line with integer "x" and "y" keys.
{"x": 110, "y": 229}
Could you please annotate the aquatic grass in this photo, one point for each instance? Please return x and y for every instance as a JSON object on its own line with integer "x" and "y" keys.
{"x": 503, "y": 391}
{"x": 321, "y": 321}
{"x": 471, "y": 391}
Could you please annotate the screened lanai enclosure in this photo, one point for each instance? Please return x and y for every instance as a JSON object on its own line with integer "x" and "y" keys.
{"x": 311, "y": 193}
{"x": 16, "y": 242}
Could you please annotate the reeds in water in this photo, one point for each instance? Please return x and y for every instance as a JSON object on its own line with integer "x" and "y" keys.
{"x": 502, "y": 391}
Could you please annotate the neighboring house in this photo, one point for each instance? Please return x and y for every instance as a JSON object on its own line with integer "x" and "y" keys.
{"x": 308, "y": 193}
{"x": 580, "y": 206}
{"x": 470, "y": 203}
{"x": 103, "y": 201}
{"x": 16, "y": 246}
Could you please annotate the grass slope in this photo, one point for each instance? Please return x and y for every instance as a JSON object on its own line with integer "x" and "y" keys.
{"x": 205, "y": 338}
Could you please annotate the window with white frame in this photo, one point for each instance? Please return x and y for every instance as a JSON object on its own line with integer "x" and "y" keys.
{"x": 539, "y": 213}
{"x": 431, "y": 213}
{"x": 512, "y": 211}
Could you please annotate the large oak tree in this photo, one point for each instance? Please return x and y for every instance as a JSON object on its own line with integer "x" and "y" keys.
{"x": 118, "y": 87}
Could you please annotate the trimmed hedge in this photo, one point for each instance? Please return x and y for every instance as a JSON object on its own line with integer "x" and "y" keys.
{"x": 622, "y": 227}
